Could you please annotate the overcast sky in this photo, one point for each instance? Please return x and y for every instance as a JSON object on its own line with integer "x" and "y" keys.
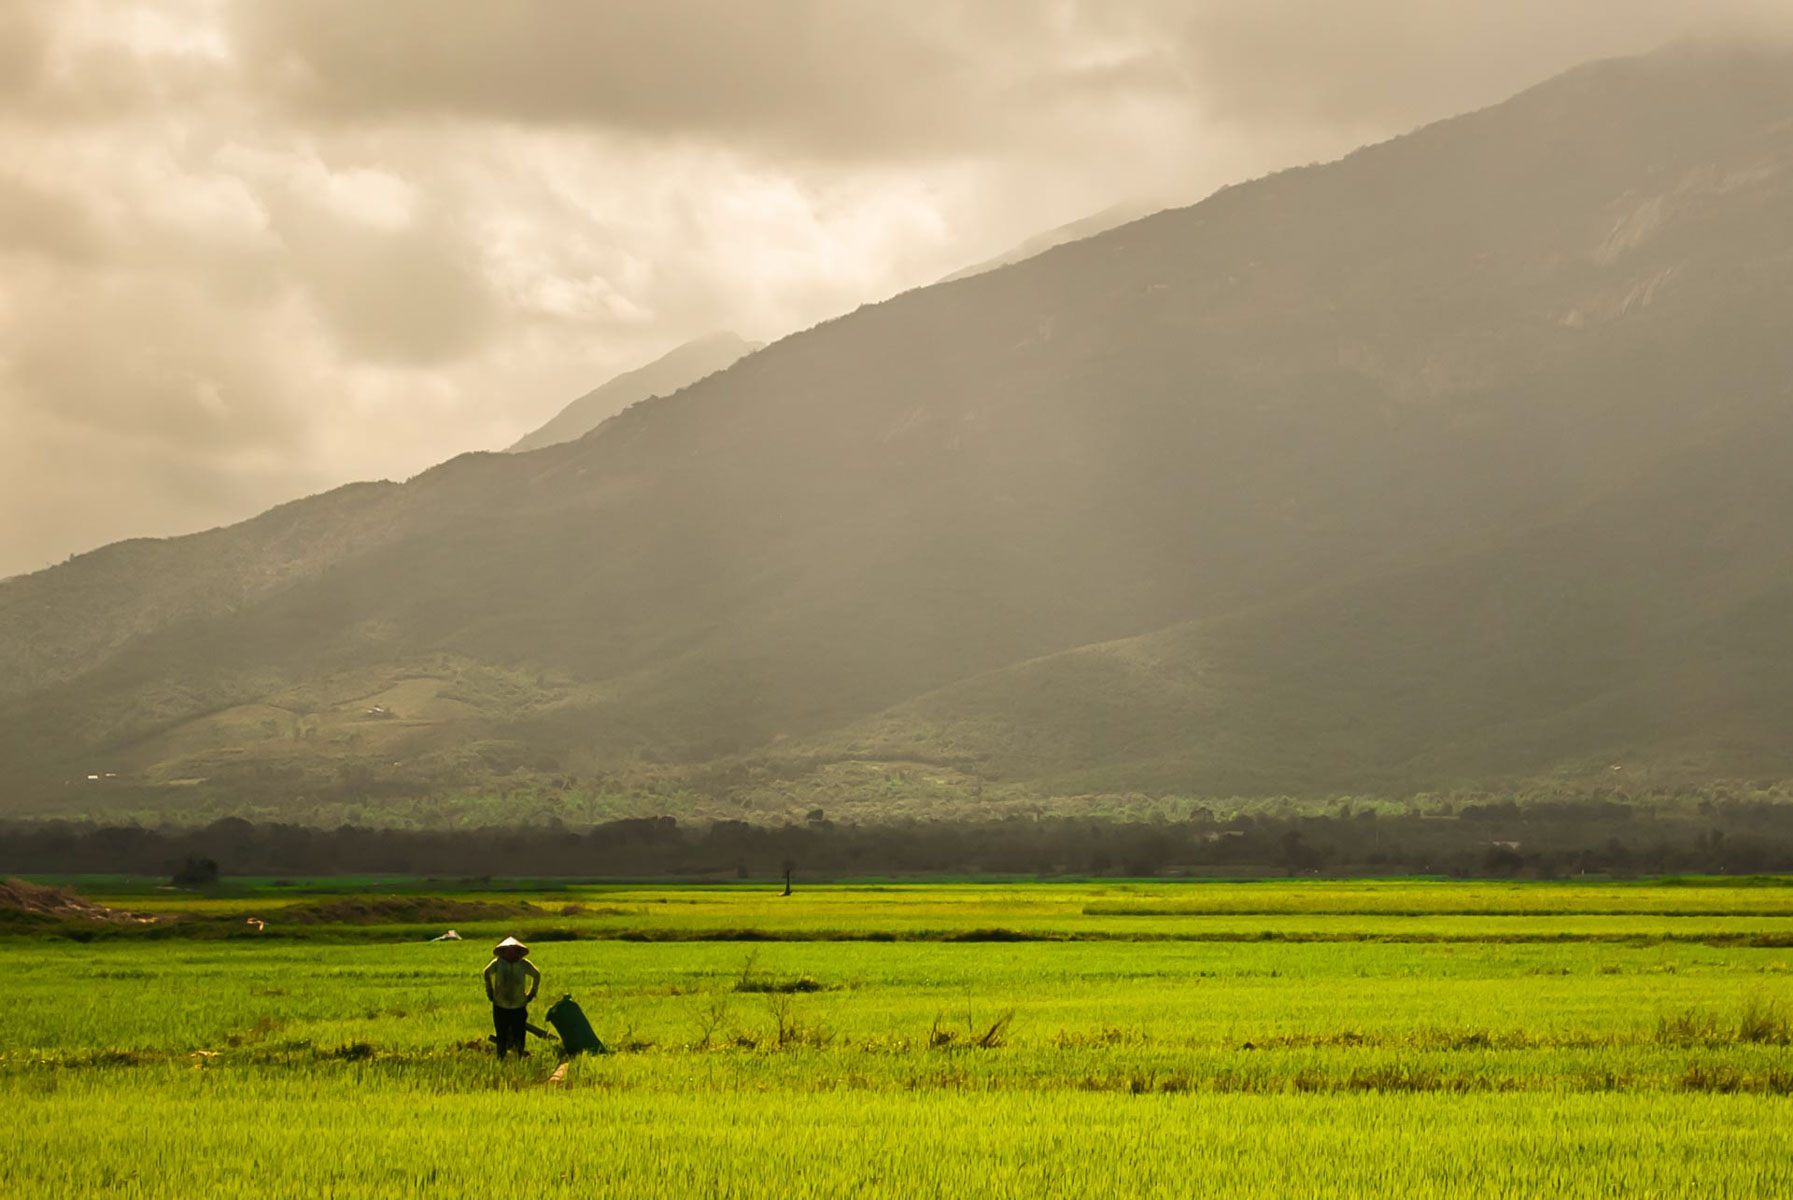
{"x": 252, "y": 250}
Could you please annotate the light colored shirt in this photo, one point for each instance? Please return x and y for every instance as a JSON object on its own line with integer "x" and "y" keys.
{"x": 508, "y": 982}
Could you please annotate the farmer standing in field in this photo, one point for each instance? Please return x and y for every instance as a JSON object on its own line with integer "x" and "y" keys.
{"x": 511, "y": 983}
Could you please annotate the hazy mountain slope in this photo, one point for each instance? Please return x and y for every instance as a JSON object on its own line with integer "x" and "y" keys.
{"x": 59, "y": 623}
{"x": 1648, "y": 633}
{"x": 677, "y": 368}
{"x": 1039, "y": 243}
{"x": 1308, "y": 389}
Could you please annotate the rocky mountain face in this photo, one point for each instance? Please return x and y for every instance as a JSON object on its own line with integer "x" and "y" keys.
{"x": 1458, "y": 462}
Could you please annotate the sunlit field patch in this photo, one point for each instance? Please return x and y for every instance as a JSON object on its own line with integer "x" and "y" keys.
{"x": 1441, "y": 1040}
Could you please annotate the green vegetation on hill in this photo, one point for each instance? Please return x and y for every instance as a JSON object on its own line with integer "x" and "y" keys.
{"x": 1454, "y": 464}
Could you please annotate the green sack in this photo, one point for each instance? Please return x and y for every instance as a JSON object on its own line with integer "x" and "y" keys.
{"x": 576, "y": 1033}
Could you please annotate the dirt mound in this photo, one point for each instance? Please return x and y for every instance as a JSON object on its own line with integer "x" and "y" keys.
{"x": 30, "y": 902}
{"x": 400, "y": 910}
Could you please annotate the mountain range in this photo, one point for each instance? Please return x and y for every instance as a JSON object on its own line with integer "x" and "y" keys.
{"x": 1460, "y": 462}
{"x": 1039, "y": 243}
{"x": 678, "y": 368}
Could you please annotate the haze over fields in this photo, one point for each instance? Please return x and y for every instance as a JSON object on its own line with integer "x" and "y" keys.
{"x": 1459, "y": 462}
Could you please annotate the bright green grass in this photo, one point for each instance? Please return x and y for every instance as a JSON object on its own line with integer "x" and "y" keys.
{"x": 1352, "y": 910}
{"x": 1607, "y": 1061}
{"x": 177, "y": 997}
{"x": 210, "y": 1135}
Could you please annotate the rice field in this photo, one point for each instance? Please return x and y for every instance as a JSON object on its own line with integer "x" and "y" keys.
{"x": 1264, "y": 1039}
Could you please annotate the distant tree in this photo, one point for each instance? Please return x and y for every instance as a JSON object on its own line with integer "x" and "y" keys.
{"x": 197, "y": 872}
{"x": 1297, "y": 855}
{"x": 1502, "y": 860}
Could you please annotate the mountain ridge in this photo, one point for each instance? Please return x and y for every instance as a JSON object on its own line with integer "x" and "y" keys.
{"x": 678, "y": 368}
{"x": 1305, "y": 386}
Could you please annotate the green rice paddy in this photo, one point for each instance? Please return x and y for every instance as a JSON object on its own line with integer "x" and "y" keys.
{"x": 1263, "y": 1039}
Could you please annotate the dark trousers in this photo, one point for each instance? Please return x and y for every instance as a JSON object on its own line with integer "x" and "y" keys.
{"x": 508, "y": 1024}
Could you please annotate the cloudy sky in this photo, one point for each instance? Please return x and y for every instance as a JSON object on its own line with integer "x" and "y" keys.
{"x": 251, "y": 250}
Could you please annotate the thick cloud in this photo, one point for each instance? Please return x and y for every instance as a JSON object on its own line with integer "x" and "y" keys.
{"x": 1396, "y": 63}
{"x": 35, "y": 221}
{"x": 250, "y": 250}
{"x": 24, "y": 45}
{"x": 844, "y": 78}
{"x": 868, "y": 78}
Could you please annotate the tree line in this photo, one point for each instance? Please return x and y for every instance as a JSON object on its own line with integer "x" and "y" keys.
{"x": 1493, "y": 840}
